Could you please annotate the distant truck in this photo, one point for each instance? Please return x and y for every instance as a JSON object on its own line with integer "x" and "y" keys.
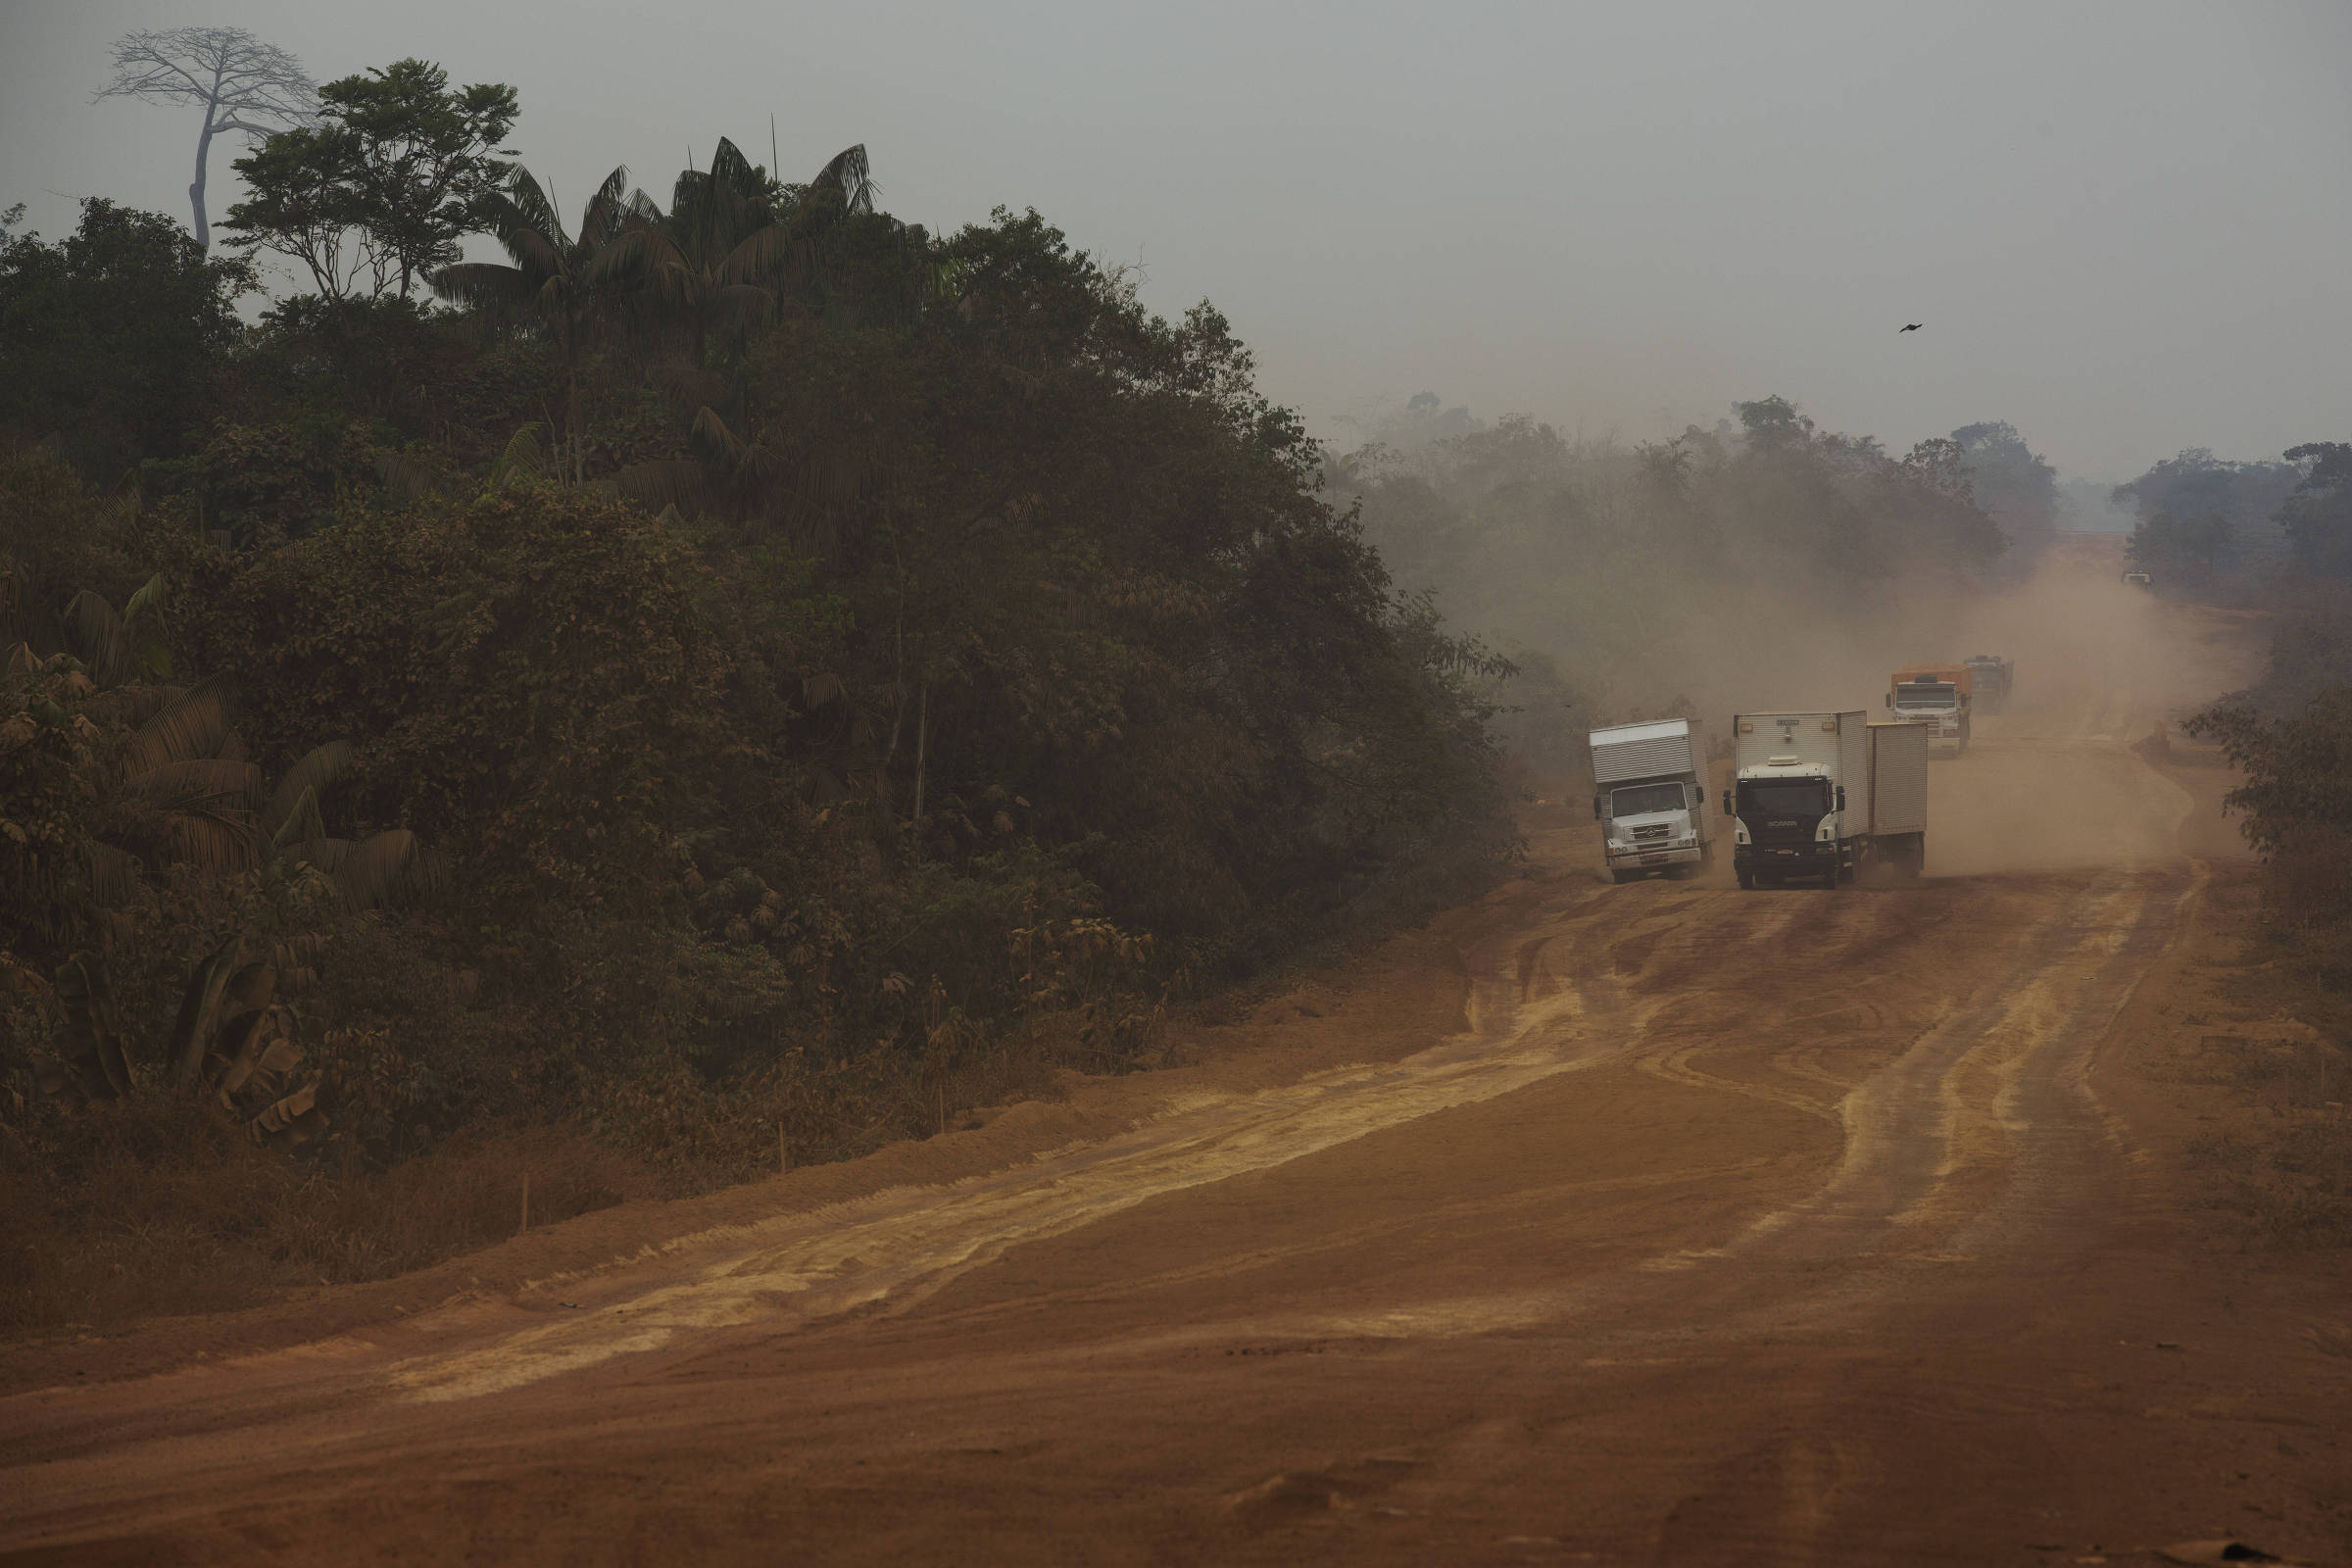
{"x": 2136, "y": 579}
{"x": 1937, "y": 697}
{"x": 1995, "y": 678}
{"x": 1826, "y": 796}
{"x": 1651, "y": 799}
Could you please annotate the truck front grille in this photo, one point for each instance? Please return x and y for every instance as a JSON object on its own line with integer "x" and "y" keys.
{"x": 1653, "y": 831}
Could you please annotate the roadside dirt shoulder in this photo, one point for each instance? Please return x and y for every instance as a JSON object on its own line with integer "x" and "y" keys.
{"x": 1371, "y": 1008}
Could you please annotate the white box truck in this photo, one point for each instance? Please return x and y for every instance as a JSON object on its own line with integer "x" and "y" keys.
{"x": 1826, "y": 796}
{"x": 1651, "y": 799}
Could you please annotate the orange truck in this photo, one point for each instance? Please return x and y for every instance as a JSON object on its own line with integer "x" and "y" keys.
{"x": 1936, "y": 697}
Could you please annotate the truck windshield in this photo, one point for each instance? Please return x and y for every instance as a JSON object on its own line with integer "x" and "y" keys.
{"x": 1636, "y": 799}
{"x": 1927, "y": 696}
{"x": 1784, "y": 796}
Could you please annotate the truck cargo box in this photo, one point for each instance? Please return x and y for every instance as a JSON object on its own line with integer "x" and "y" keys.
{"x": 1830, "y": 744}
{"x": 1660, "y": 749}
{"x": 1899, "y": 779}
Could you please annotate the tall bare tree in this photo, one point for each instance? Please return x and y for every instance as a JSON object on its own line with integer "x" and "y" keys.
{"x": 242, "y": 83}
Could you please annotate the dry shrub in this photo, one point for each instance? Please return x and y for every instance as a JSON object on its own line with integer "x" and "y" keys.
{"x": 155, "y": 1207}
{"x": 2311, "y": 877}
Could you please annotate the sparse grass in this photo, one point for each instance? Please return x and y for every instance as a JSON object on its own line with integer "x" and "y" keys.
{"x": 156, "y": 1209}
{"x": 2288, "y": 1176}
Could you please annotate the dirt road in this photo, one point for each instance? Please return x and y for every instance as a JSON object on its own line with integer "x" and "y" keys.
{"x": 1693, "y": 1226}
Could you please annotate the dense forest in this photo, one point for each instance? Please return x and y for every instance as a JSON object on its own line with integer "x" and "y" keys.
{"x": 742, "y": 674}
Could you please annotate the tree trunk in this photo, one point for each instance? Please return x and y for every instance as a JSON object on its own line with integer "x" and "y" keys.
{"x": 923, "y": 737}
{"x": 204, "y": 153}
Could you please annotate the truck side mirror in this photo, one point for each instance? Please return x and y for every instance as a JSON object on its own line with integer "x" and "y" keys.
{"x": 1886, "y": 701}
{"x": 1726, "y": 803}
{"x": 1841, "y": 796}
{"x": 1596, "y": 808}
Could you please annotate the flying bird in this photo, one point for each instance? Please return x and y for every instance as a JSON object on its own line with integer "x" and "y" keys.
{"x": 1913, "y": 327}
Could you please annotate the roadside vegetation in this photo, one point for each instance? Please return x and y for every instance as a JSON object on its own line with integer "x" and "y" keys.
{"x": 2292, "y": 735}
{"x": 732, "y": 682}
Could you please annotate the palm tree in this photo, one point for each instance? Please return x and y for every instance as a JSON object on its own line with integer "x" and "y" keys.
{"x": 123, "y": 647}
{"x": 554, "y": 281}
{"x": 729, "y": 234}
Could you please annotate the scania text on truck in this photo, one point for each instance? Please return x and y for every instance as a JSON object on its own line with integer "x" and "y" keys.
{"x": 1826, "y": 796}
{"x": 1651, "y": 799}
{"x": 1934, "y": 697}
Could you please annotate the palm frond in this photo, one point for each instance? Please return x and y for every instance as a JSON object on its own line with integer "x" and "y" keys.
{"x": 851, "y": 178}
{"x": 192, "y": 724}
{"x": 132, "y": 706}
{"x": 100, "y": 638}
{"x": 310, "y": 774}
{"x": 148, "y": 601}
{"x": 89, "y": 1005}
{"x": 371, "y": 873}
{"x": 602, "y": 217}
{"x": 404, "y": 475}
{"x": 195, "y": 783}
{"x": 537, "y": 254}
{"x": 768, "y": 251}
{"x": 674, "y": 483}
{"x": 484, "y": 286}
{"x": 688, "y": 384}
{"x": 114, "y": 874}
{"x": 295, "y": 1119}
{"x": 327, "y": 854}
{"x": 200, "y": 1008}
{"x": 730, "y": 171}
{"x": 641, "y": 254}
{"x": 744, "y": 304}
{"x": 301, "y": 824}
{"x": 524, "y": 462}
{"x": 211, "y": 837}
{"x": 710, "y": 432}
{"x": 243, "y": 1040}
{"x": 527, "y": 208}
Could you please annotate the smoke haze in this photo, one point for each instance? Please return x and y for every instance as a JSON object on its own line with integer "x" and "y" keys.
{"x": 2119, "y": 223}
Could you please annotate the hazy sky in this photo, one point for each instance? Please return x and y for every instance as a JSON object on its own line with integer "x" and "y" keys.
{"x": 2126, "y": 227}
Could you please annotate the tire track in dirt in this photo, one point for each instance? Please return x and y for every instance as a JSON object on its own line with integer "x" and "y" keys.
{"x": 897, "y": 1248}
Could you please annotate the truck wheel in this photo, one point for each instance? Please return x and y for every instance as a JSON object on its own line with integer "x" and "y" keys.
{"x": 1621, "y": 878}
{"x": 1748, "y": 880}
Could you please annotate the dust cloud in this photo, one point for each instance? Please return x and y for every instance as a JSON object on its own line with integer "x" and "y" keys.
{"x": 1782, "y": 569}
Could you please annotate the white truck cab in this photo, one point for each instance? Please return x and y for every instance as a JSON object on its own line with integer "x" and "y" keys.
{"x": 1651, "y": 800}
{"x": 1824, "y": 796}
